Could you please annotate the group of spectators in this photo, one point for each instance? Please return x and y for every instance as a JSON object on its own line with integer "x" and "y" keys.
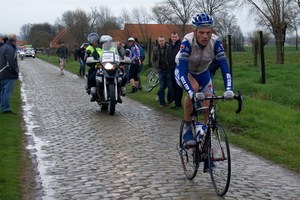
{"x": 164, "y": 61}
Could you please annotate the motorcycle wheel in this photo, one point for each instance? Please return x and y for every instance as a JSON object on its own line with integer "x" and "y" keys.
{"x": 112, "y": 97}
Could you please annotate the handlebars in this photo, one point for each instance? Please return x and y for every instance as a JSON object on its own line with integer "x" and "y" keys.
{"x": 239, "y": 98}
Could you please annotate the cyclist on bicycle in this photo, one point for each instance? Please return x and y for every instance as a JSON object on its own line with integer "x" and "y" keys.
{"x": 197, "y": 51}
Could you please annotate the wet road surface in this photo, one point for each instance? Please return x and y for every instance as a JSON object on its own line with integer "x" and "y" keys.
{"x": 82, "y": 152}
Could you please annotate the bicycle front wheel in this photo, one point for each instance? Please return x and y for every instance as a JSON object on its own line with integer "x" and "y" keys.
{"x": 219, "y": 160}
{"x": 152, "y": 81}
{"x": 188, "y": 156}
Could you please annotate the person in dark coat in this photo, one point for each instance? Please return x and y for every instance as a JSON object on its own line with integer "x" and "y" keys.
{"x": 174, "y": 47}
{"x": 9, "y": 71}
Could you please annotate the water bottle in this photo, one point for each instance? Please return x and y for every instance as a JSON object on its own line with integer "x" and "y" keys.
{"x": 200, "y": 130}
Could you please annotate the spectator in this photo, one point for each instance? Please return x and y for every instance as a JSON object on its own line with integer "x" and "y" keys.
{"x": 9, "y": 71}
{"x": 127, "y": 62}
{"x": 174, "y": 47}
{"x": 123, "y": 44}
{"x": 133, "y": 71}
{"x": 160, "y": 62}
{"x": 62, "y": 53}
{"x": 121, "y": 50}
{"x": 81, "y": 58}
{"x": 47, "y": 51}
{"x": 75, "y": 52}
{"x": 3, "y": 41}
{"x": 142, "y": 58}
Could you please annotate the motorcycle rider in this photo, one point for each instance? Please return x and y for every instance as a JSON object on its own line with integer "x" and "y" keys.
{"x": 96, "y": 51}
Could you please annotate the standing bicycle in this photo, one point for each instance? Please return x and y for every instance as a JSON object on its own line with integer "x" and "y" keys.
{"x": 211, "y": 151}
{"x": 152, "y": 81}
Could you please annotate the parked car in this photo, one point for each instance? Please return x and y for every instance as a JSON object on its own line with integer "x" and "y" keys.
{"x": 39, "y": 50}
{"x": 29, "y": 52}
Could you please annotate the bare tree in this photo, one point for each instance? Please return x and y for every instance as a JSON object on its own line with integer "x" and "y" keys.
{"x": 77, "y": 22}
{"x": 212, "y": 7}
{"x": 294, "y": 23}
{"x": 105, "y": 20}
{"x": 253, "y": 36}
{"x": 40, "y": 35}
{"x": 272, "y": 14}
{"x": 160, "y": 13}
{"x": 58, "y": 26}
{"x": 125, "y": 18}
{"x": 24, "y": 31}
{"x": 140, "y": 16}
{"x": 226, "y": 24}
{"x": 94, "y": 23}
{"x": 177, "y": 12}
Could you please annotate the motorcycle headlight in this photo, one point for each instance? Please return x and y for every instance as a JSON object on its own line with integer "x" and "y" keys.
{"x": 109, "y": 66}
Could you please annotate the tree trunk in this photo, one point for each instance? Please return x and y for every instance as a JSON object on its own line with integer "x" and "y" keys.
{"x": 279, "y": 41}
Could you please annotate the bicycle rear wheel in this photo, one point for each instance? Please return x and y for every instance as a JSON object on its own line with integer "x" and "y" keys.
{"x": 188, "y": 156}
{"x": 219, "y": 160}
{"x": 152, "y": 81}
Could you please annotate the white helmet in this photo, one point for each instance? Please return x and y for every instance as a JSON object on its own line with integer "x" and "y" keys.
{"x": 131, "y": 39}
{"x": 106, "y": 38}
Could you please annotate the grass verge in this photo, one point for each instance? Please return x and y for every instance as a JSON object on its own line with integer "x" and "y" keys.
{"x": 13, "y": 154}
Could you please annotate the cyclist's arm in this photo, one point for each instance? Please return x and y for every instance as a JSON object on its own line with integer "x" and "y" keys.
{"x": 183, "y": 59}
{"x": 221, "y": 58}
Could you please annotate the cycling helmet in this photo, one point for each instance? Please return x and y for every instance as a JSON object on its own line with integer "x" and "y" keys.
{"x": 106, "y": 38}
{"x": 131, "y": 39}
{"x": 202, "y": 21}
{"x": 93, "y": 37}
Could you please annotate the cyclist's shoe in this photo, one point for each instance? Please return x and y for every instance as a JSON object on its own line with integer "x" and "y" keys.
{"x": 189, "y": 139}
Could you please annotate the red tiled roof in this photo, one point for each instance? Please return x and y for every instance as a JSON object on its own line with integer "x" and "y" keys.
{"x": 54, "y": 42}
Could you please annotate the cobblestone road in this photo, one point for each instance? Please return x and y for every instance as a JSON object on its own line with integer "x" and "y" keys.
{"x": 84, "y": 153}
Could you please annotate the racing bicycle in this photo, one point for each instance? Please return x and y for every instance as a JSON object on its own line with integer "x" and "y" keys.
{"x": 213, "y": 154}
{"x": 152, "y": 80}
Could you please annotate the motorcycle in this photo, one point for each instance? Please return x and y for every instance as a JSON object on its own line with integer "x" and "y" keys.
{"x": 22, "y": 55}
{"x": 109, "y": 77}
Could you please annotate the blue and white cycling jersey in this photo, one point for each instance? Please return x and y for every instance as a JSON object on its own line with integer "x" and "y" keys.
{"x": 195, "y": 60}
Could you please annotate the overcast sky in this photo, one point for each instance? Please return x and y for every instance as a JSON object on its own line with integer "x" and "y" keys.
{"x": 17, "y": 13}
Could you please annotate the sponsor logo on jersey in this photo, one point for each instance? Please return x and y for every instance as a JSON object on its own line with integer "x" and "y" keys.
{"x": 228, "y": 76}
{"x": 182, "y": 47}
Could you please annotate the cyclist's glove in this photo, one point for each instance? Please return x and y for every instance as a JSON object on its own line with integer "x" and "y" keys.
{"x": 199, "y": 96}
{"x": 228, "y": 95}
